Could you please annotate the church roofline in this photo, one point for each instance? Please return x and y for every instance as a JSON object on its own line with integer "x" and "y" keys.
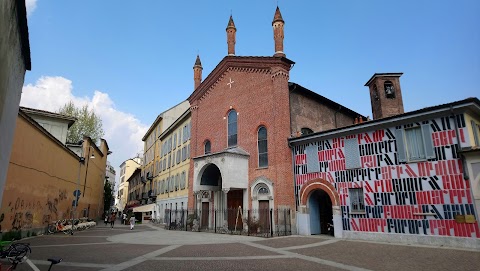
{"x": 294, "y": 87}
{"x": 258, "y": 62}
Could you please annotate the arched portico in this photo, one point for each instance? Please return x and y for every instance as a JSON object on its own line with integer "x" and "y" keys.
{"x": 225, "y": 176}
{"x": 311, "y": 193}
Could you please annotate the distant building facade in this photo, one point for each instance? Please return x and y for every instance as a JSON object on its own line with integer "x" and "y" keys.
{"x": 126, "y": 170}
{"x": 43, "y": 174}
{"x": 171, "y": 183}
{"x": 152, "y": 157}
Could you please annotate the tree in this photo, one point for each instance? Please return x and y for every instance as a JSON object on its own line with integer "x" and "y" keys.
{"x": 87, "y": 124}
{"x": 107, "y": 196}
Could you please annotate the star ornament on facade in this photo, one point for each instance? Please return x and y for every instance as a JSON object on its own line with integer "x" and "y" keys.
{"x": 230, "y": 83}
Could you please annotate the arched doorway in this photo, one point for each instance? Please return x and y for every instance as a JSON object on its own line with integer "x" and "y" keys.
{"x": 211, "y": 178}
{"x": 321, "y": 214}
{"x": 319, "y": 199}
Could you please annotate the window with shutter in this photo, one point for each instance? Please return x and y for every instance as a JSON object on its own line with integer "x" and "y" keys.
{"x": 313, "y": 164}
{"x": 174, "y": 140}
{"x": 415, "y": 143}
{"x": 476, "y": 132}
{"x": 352, "y": 153}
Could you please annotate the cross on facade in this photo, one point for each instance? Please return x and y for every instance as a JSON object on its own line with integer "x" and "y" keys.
{"x": 230, "y": 83}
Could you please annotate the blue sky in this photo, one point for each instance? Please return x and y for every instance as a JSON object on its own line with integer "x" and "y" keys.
{"x": 135, "y": 58}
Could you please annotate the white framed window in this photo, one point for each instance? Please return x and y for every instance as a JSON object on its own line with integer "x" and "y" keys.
{"x": 357, "y": 203}
{"x": 415, "y": 143}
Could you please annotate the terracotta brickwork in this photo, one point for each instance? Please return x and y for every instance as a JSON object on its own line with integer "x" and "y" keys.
{"x": 260, "y": 96}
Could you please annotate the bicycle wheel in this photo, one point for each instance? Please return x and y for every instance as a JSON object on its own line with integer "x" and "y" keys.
{"x": 52, "y": 228}
{"x": 18, "y": 253}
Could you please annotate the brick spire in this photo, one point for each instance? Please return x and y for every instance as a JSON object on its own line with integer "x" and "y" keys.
{"x": 231, "y": 32}
{"x": 278, "y": 34}
{"x": 197, "y": 72}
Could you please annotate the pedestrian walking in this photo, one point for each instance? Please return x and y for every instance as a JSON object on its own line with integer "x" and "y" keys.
{"x": 112, "y": 219}
{"x": 124, "y": 219}
{"x": 132, "y": 222}
{"x": 106, "y": 219}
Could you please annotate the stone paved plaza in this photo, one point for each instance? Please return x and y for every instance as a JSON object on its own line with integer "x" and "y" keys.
{"x": 148, "y": 247}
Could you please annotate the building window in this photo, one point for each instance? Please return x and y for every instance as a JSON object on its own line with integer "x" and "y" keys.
{"x": 414, "y": 144}
{"x": 476, "y": 132}
{"x": 262, "y": 147}
{"x": 352, "y": 153}
{"x": 208, "y": 147}
{"x": 263, "y": 190}
{"x": 306, "y": 131}
{"x": 389, "y": 90}
{"x": 313, "y": 165}
{"x": 174, "y": 140}
{"x": 232, "y": 128}
{"x": 357, "y": 203}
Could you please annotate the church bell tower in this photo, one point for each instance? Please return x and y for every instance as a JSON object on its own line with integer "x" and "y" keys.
{"x": 385, "y": 95}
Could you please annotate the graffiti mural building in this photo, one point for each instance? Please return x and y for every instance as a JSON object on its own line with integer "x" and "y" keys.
{"x": 410, "y": 177}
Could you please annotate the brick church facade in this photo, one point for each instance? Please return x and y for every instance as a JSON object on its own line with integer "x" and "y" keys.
{"x": 242, "y": 115}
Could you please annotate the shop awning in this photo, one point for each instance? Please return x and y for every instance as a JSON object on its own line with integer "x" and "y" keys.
{"x": 144, "y": 208}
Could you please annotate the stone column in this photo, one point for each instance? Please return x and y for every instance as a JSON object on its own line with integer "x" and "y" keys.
{"x": 225, "y": 208}
{"x": 337, "y": 222}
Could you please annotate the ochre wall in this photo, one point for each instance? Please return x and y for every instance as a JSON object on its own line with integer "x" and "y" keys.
{"x": 41, "y": 178}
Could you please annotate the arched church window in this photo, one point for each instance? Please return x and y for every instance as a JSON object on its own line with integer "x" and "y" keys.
{"x": 262, "y": 147}
{"x": 263, "y": 190}
{"x": 306, "y": 131}
{"x": 232, "y": 128}
{"x": 389, "y": 90}
{"x": 208, "y": 147}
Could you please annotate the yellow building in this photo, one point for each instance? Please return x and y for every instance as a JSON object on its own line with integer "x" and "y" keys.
{"x": 172, "y": 180}
{"x": 152, "y": 158}
{"x": 43, "y": 174}
{"x": 126, "y": 170}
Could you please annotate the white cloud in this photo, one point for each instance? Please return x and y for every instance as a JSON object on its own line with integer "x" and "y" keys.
{"x": 123, "y": 131}
{"x": 31, "y": 6}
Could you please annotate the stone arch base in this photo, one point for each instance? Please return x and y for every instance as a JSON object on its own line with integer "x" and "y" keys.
{"x": 303, "y": 215}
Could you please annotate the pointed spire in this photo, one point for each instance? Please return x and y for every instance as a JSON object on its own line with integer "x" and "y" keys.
{"x": 278, "y": 16}
{"x": 197, "y": 72}
{"x": 278, "y": 34}
{"x": 231, "y": 33}
{"x": 231, "y": 24}
{"x": 198, "y": 63}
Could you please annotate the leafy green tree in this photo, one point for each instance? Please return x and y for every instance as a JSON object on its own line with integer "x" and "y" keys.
{"x": 107, "y": 196}
{"x": 87, "y": 124}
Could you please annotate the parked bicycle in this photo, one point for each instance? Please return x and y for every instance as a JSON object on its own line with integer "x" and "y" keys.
{"x": 14, "y": 264}
{"x": 59, "y": 226}
{"x": 14, "y": 252}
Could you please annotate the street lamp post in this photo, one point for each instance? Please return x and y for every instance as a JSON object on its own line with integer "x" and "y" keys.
{"x": 77, "y": 193}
